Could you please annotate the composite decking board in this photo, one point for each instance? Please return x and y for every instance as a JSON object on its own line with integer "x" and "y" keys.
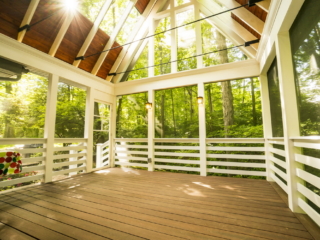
{"x": 7, "y": 232}
{"x": 160, "y": 211}
{"x": 175, "y": 228}
{"x": 93, "y": 181}
{"x": 155, "y": 191}
{"x": 187, "y": 207}
{"x": 30, "y": 228}
{"x": 188, "y": 200}
{"x": 167, "y": 219}
{"x": 175, "y": 208}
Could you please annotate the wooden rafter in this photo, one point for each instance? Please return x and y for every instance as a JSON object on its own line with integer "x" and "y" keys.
{"x": 62, "y": 31}
{"x": 93, "y": 31}
{"x": 129, "y": 51}
{"x": 113, "y": 37}
{"x": 27, "y": 18}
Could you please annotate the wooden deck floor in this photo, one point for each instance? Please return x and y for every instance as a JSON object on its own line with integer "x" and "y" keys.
{"x": 131, "y": 204}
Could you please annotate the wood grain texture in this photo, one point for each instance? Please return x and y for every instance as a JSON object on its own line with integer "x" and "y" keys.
{"x": 141, "y": 5}
{"x": 246, "y": 26}
{"x": 135, "y": 204}
{"x": 11, "y": 16}
{"x": 256, "y": 10}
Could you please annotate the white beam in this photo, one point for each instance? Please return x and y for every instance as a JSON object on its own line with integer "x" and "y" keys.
{"x": 27, "y": 18}
{"x": 202, "y": 131}
{"x": 265, "y": 5}
{"x": 229, "y": 27}
{"x": 93, "y": 30}
{"x": 198, "y": 36}
{"x": 113, "y": 37}
{"x": 152, "y": 29}
{"x": 62, "y": 32}
{"x": 174, "y": 47}
{"x": 128, "y": 52}
{"x": 151, "y": 114}
{"x": 246, "y": 16}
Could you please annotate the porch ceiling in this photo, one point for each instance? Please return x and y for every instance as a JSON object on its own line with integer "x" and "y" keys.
{"x": 135, "y": 204}
{"x": 66, "y": 38}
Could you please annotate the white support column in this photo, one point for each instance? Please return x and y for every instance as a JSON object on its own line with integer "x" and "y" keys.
{"x": 49, "y": 128}
{"x": 290, "y": 115}
{"x": 27, "y": 18}
{"x": 151, "y": 130}
{"x": 174, "y": 47}
{"x": 151, "y": 50}
{"x": 267, "y": 124}
{"x": 112, "y": 146}
{"x": 202, "y": 132}
{"x": 198, "y": 36}
{"x": 88, "y": 128}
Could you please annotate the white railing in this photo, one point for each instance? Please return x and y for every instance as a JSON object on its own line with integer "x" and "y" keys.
{"x": 102, "y": 154}
{"x": 310, "y": 174}
{"x": 32, "y": 157}
{"x": 236, "y": 156}
{"x": 131, "y": 152}
{"x": 69, "y": 159}
{"x": 181, "y": 154}
{"x": 277, "y": 162}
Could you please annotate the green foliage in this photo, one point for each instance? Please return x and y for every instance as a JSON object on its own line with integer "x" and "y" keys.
{"x": 70, "y": 115}
{"x": 90, "y": 8}
{"x": 132, "y": 116}
{"x": 176, "y": 113}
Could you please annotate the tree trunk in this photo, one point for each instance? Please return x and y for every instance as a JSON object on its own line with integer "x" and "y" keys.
{"x": 227, "y": 97}
{"x": 174, "y": 120}
{"x": 254, "y": 113}
{"x": 162, "y": 114}
{"x": 118, "y": 113}
{"x": 8, "y": 127}
{"x": 210, "y": 107}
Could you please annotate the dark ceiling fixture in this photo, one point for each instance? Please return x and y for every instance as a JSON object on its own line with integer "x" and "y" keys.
{"x": 10, "y": 69}
{"x": 253, "y": 2}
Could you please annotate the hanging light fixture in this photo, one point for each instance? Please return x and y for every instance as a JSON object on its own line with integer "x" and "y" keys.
{"x": 148, "y": 105}
{"x": 200, "y": 100}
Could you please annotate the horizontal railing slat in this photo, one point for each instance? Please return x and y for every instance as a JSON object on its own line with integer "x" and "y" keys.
{"x": 26, "y": 150}
{"x": 132, "y": 152}
{"x": 33, "y": 168}
{"x": 236, "y": 156}
{"x": 192, "y": 169}
{"x": 177, "y": 161}
{"x": 131, "y": 139}
{"x": 279, "y": 162}
{"x": 309, "y": 194}
{"x": 310, "y": 161}
{"x": 244, "y": 149}
{"x": 309, "y": 210}
{"x": 55, "y": 173}
{"x": 63, "y": 164}
{"x": 70, "y": 140}
{"x": 176, "y": 154}
{"x": 278, "y": 151}
{"x": 307, "y": 145}
{"x": 236, "y": 164}
{"x": 176, "y": 140}
{"x": 69, "y": 155}
{"x": 235, "y": 140}
{"x": 282, "y": 174}
{"x": 131, "y": 164}
{"x": 237, "y": 172}
{"x": 279, "y": 182}
{"x": 314, "y": 180}
{"x": 32, "y": 159}
{"x": 21, "y": 180}
{"x": 131, "y": 158}
{"x": 70, "y": 148}
{"x": 133, "y": 146}
{"x": 177, "y": 147}
{"x": 22, "y": 141}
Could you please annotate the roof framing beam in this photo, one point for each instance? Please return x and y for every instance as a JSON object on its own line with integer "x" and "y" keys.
{"x": 93, "y": 30}
{"x": 128, "y": 52}
{"x": 249, "y": 18}
{"x": 62, "y": 32}
{"x": 228, "y": 26}
{"x": 265, "y": 5}
{"x": 113, "y": 37}
{"x": 27, "y": 18}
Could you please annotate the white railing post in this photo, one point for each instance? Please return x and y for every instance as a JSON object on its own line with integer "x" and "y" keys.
{"x": 151, "y": 131}
{"x": 267, "y": 124}
{"x": 49, "y": 128}
{"x": 290, "y": 115}
{"x": 202, "y": 132}
{"x": 88, "y": 130}
{"x": 99, "y": 155}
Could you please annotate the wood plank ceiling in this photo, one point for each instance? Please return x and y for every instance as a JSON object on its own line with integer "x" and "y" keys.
{"x": 42, "y": 35}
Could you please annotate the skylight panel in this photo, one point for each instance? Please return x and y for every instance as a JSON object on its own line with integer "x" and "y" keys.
{"x": 90, "y": 8}
{"x": 128, "y": 26}
{"x": 113, "y": 16}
